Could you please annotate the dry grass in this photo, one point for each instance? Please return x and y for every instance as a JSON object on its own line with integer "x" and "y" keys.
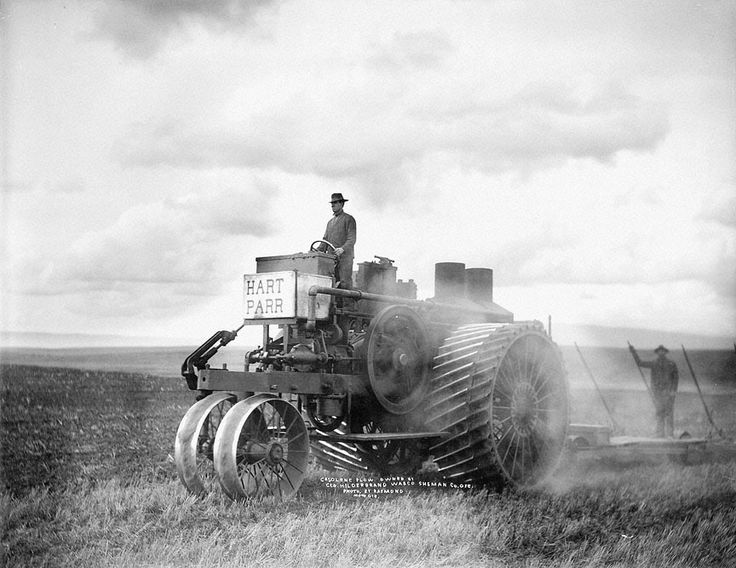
{"x": 108, "y": 496}
{"x": 647, "y": 516}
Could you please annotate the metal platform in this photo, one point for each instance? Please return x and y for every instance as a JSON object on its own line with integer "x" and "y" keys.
{"x": 597, "y": 438}
{"x": 379, "y": 436}
{"x": 652, "y": 447}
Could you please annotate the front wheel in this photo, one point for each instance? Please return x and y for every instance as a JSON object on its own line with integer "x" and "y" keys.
{"x": 262, "y": 449}
{"x": 195, "y": 440}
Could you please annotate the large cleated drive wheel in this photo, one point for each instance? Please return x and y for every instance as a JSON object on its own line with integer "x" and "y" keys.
{"x": 195, "y": 441}
{"x": 261, "y": 449}
{"x": 500, "y": 390}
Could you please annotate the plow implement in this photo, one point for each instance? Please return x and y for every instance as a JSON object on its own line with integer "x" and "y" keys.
{"x": 596, "y": 440}
{"x": 599, "y": 440}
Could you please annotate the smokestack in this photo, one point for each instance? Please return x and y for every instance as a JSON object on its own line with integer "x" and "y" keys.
{"x": 449, "y": 280}
{"x": 479, "y": 285}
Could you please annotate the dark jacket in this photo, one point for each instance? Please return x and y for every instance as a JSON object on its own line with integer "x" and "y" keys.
{"x": 341, "y": 232}
{"x": 664, "y": 375}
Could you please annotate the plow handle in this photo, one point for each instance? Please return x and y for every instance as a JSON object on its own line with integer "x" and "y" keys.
{"x": 641, "y": 373}
{"x": 702, "y": 398}
{"x": 614, "y": 426}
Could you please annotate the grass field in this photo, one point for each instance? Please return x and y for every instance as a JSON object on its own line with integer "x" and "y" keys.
{"x": 88, "y": 480}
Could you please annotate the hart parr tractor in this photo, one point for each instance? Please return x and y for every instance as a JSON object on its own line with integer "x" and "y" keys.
{"x": 371, "y": 379}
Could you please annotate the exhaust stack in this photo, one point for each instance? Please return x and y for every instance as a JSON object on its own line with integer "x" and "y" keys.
{"x": 479, "y": 285}
{"x": 449, "y": 281}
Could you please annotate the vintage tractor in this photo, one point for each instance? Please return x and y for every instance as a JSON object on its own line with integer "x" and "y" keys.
{"x": 372, "y": 379}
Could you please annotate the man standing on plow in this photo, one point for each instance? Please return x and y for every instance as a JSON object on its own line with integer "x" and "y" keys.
{"x": 664, "y": 388}
{"x": 341, "y": 232}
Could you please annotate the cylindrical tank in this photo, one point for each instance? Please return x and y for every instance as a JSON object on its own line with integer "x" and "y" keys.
{"x": 479, "y": 285}
{"x": 449, "y": 280}
{"x": 376, "y": 278}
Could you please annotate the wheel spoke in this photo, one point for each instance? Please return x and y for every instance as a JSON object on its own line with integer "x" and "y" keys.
{"x": 249, "y": 470}
{"x": 509, "y": 430}
{"x": 508, "y": 446}
{"x": 292, "y": 465}
{"x": 502, "y": 420}
{"x": 263, "y": 477}
{"x": 288, "y": 479}
{"x": 523, "y": 453}
{"x": 547, "y": 396}
{"x": 504, "y": 386}
{"x": 298, "y": 437}
{"x": 536, "y": 367}
{"x": 539, "y": 386}
{"x": 516, "y": 453}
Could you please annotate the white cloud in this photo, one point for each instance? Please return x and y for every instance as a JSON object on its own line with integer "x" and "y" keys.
{"x": 595, "y": 237}
{"x": 174, "y": 241}
{"x": 411, "y": 50}
{"x": 721, "y": 206}
{"x": 140, "y": 27}
{"x": 371, "y": 138}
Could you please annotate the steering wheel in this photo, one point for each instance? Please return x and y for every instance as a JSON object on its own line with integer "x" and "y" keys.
{"x": 312, "y": 248}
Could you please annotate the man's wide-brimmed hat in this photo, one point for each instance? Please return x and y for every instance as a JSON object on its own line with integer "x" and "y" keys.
{"x": 661, "y": 348}
{"x": 337, "y": 197}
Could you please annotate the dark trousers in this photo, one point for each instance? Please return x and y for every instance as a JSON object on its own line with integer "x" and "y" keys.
{"x": 344, "y": 272}
{"x": 664, "y": 406}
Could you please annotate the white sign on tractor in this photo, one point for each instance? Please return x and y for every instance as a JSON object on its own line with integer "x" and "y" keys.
{"x": 282, "y": 295}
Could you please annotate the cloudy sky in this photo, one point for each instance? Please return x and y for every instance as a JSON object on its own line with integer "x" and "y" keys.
{"x": 152, "y": 149}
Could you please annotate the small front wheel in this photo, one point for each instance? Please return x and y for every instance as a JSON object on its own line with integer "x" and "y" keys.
{"x": 195, "y": 440}
{"x": 262, "y": 449}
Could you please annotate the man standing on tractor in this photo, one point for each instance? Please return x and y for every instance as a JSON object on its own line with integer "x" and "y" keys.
{"x": 664, "y": 388}
{"x": 341, "y": 232}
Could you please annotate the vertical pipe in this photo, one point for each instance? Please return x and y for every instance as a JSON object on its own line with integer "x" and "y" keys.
{"x": 479, "y": 285}
{"x": 449, "y": 280}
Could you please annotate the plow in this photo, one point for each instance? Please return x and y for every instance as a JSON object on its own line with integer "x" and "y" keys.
{"x": 372, "y": 379}
{"x": 608, "y": 442}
